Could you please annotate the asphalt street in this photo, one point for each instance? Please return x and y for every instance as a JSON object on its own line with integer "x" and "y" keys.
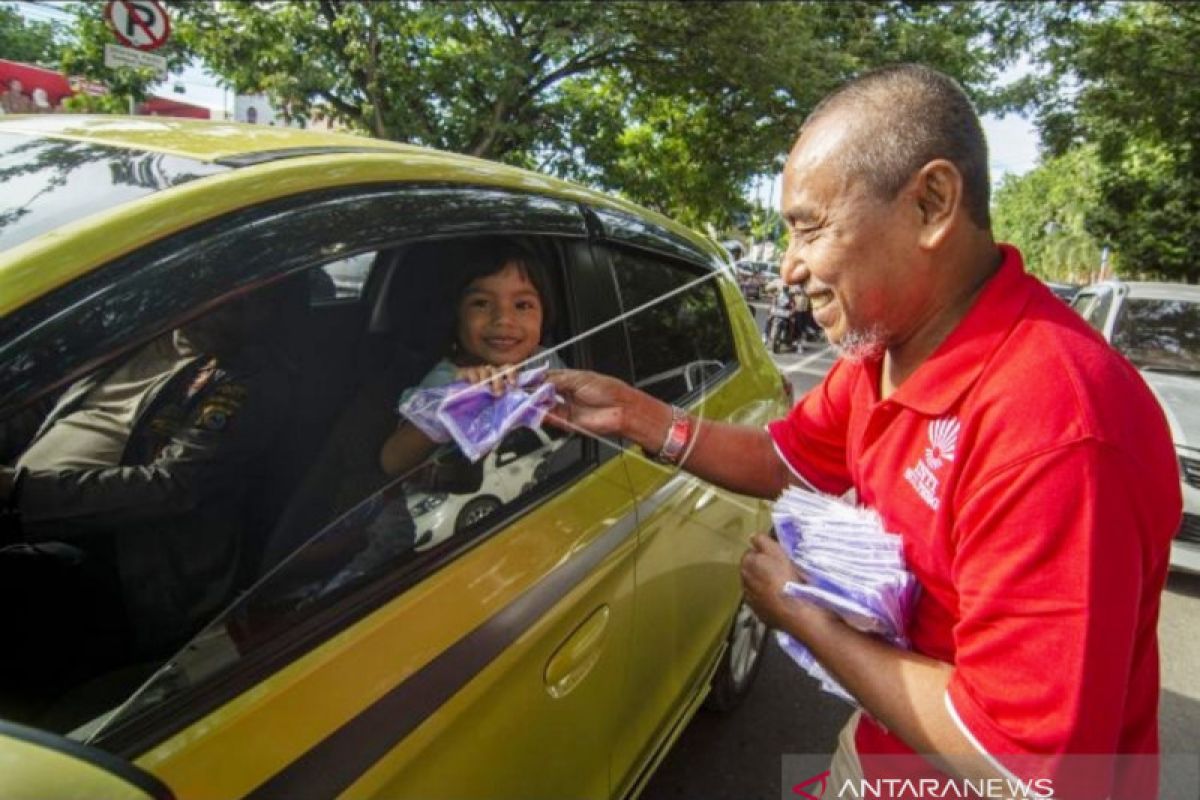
{"x": 738, "y": 755}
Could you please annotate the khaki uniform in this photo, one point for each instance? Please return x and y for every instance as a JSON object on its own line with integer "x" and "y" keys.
{"x": 174, "y": 504}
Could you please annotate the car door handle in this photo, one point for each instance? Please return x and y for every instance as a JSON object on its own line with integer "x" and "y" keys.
{"x": 576, "y": 656}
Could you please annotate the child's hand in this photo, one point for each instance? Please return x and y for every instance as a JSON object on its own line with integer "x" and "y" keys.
{"x": 499, "y": 377}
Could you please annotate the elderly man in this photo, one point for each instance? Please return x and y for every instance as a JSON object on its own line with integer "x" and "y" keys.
{"x": 1023, "y": 461}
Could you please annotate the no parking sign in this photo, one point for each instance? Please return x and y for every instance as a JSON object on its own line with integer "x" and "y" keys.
{"x": 142, "y": 24}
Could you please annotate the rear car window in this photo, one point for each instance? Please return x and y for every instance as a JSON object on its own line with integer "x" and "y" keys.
{"x": 1160, "y": 335}
{"x": 681, "y": 335}
{"x": 52, "y": 182}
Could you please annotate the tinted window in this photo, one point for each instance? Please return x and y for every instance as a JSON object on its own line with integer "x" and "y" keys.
{"x": 47, "y": 183}
{"x": 341, "y": 280}
{"x": 1160, "y": 334}
{"x": 346, "y": 536}
{"x": 679, "y": 334}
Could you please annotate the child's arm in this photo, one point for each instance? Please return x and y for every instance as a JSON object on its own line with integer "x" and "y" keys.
{"x": 404, "y": 449}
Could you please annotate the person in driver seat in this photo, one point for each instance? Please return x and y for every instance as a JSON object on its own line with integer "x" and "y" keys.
{"x": 121, "y": 527}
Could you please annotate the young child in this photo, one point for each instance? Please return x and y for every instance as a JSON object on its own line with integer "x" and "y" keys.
{"x": 501, "y": 314}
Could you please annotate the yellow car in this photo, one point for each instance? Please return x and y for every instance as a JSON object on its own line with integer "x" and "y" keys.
{"x": 281, "y": 631}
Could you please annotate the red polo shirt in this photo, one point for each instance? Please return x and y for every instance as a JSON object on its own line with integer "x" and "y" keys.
{"x": 1032, "y": 476}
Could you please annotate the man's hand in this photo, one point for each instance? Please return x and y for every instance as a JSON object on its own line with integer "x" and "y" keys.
{"x": 765, "y": 570}
{"x": 597, "y": 403}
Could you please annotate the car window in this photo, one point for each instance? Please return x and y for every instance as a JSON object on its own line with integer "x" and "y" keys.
{"x": 348, "y": 537}
{"x": 341, "y": 280}
{"x": 678, "y": 329}
{"x": 51, "y": 182}
{"x": 1094, "y": 307}
{"x": 1160, "y": 335}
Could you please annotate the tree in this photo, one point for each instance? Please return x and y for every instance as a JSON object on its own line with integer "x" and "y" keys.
{"x": 1046, "y": 213}
{"x": 27, "y": 41}
{"x": 675, "y": 105}
{"x": 83, "y": 55}
{"x": 1130, "y": 86}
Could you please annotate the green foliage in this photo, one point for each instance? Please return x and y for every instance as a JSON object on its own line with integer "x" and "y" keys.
{"x": 27, "y": 41}
{"x": 1045, "y": 213}
{"x": 675, "y": 105}
{"x": 1131, "y": 88}
{"x": 83, "y": 55}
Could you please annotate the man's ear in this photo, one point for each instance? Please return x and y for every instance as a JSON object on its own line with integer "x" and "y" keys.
{"x": 938, "y": 188}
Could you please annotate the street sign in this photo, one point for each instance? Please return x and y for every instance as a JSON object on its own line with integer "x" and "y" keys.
{"x": 117, "y": 56}
{"x": 141, "y": 24}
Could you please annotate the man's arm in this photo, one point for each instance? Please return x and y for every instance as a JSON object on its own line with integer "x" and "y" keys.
{"x": 735, "y": 457}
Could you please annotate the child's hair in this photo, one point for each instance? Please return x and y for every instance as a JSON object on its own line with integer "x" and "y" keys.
{"x": 490, "y": 254}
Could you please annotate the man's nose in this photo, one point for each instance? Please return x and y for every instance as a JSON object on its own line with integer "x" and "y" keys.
{"x": 792, "y": 268}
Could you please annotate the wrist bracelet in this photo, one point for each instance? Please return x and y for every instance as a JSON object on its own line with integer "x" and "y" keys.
{"x": 678, "y": 437}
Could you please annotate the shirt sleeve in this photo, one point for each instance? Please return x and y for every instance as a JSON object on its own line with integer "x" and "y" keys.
{"x": 1051, "y": 572}
{"x": 812, "y": 439}
{"x": 444, "y": 372}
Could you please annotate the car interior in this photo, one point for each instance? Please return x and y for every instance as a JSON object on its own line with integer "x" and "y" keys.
{"x": 353, "y": 347}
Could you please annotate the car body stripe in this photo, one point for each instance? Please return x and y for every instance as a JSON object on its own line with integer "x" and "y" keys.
{"x": 336, "y": 762}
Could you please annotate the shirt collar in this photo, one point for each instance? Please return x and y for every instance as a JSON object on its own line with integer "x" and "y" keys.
{"x": 936, "y": 386}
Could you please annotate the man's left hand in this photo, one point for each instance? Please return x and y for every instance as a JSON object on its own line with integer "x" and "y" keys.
{"x": 765, "y": 570}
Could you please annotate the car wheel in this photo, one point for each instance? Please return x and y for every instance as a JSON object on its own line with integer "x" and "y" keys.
{"x": 474, "y": 511}
{"x": 741, "y": 662}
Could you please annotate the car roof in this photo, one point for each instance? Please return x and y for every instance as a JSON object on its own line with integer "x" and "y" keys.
{"x": 267, "y": 162}
{"x": 200, "y": 140}
{"x": 1152, "y": 290}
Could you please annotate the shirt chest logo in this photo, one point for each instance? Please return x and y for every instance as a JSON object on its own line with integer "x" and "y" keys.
{"x": 943, "y": 445}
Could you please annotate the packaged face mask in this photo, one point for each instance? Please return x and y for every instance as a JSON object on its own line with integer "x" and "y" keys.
{"x": 474, "y": 418}
{"x": 853, "y": 567}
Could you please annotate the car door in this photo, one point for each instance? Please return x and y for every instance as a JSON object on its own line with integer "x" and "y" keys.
{"x": 691, "y": 535}
{"x": 489, "y": 665}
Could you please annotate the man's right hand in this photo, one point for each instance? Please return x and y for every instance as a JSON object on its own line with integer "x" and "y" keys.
{"x": 605, "y": 406}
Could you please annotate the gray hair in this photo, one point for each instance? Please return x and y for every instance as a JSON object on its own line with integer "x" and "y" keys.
{"x": 904, "y": 117}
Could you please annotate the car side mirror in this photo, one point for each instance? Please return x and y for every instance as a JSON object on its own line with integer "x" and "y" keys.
{"x": 41, "y": 766}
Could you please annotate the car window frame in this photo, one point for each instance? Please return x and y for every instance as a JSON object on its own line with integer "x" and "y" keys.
{"x": 146, "y": 730}
{"x": 166, "y": 263}
{"x": 690, "y": 265}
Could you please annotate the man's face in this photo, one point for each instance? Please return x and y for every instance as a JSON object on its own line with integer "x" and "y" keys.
{"x": 850, "y": 252}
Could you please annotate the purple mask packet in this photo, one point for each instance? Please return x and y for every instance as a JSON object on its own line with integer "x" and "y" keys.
{"x": 474, "y": 418}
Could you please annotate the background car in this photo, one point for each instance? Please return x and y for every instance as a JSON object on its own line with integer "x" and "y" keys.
{"x": 1157, "y": 327}
{"x": 552, "y": 647}
{"x": 753, "y": 277}
{"x": 1066, "y": 291}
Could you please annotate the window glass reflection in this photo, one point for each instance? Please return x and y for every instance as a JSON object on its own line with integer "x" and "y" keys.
{"x": 1160, "y": 334}
{"x": 48, "y": 183}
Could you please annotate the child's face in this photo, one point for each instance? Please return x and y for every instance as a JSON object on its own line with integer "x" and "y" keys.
{"x": 500, "y": 317}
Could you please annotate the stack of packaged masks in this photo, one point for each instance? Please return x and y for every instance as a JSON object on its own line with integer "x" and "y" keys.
{"x": 854, "y": 568}
{"x": 474, "y": 418}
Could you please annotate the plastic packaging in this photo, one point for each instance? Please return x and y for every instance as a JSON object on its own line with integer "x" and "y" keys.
{"x": 474, "y": 418}
{"x": 852, "y": 567}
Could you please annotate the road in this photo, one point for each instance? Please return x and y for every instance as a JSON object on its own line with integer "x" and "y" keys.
{"x": 738, "y": 756}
